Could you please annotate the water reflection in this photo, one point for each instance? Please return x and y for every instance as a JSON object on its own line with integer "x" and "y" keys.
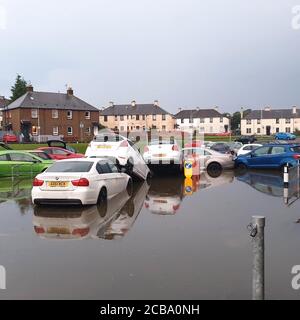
{"x": 165, "y": 195}
{"x": 110, "y": 221}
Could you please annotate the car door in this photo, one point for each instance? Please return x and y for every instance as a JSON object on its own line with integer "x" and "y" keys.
{"x": 23, "y": 163}
{"x": 276, "y": 155}
{"x": 106, "y": 174}
{"x": 139, "y": 162}
{"x": 120, "y": 178}
{"x": 5, "y": 166}
{"x": 259, "y": 158}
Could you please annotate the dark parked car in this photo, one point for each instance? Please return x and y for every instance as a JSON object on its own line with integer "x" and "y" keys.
{"x": 222, "y": 148}
{"x": 246, "y": 139}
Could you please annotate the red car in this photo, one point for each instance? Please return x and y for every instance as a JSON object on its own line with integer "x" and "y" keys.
{"x": 10, "y": 138}
{"x": 57, "y": 153}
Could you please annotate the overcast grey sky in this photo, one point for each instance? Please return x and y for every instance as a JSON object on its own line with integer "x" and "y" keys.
{"x": 186, "y": 53}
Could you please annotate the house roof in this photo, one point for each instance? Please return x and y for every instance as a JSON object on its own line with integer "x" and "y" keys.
{"x": 51, "y": 100}
{"x": 272, "y": 114}
{"x": 128, "y": 109}
{"x": 201, "y": 113}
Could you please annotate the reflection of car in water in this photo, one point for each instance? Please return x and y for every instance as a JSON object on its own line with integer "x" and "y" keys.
{"x": 122, "y": 222}
{"x": 270, "y": 183}
{"x": 15, "y": 189}
{"x": 89, "y": 222}
{"x": 207, "y": 180}
{"x": 165, "y": 195}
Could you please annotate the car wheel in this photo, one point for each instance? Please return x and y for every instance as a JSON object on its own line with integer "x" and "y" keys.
{"x": 129, "y": 187}
{"x": 102, "y": 198}
{"x": 129, "y": 166}
{"x": 214, "y": 169}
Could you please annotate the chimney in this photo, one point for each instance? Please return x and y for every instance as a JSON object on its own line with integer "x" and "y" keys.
{"x": 216, "y": 108}
{"x": 111, "y": 104}
{"x": 29, "y": 88}
{"x": 294, "y": 109}
{"x": 70, "y": 91}
{"x": 133, "y": 103}
{"x": 267, "y": 108}
{"x": 179, "y": 109}
{"x": 156, "y": 103}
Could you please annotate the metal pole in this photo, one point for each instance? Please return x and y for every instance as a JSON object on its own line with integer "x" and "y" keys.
{"x": 258, "y": 280}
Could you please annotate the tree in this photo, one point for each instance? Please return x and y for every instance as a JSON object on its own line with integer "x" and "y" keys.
{"x": 19, "y": 88}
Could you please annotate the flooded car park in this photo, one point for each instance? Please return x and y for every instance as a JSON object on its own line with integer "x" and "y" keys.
{"x": 174, "y": 238}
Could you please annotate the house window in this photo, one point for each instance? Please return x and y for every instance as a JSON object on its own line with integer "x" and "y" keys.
{"x": 153, "y": 127}
{"x": 144, "y": 117}
{"x": 277, "y": 130}
{"x": 55, "y": 131}
{"x": 211, "y": 120}
{"x": 137, "y": 117}
{"x": 122, "y": 128}
{"x": 221, "y": 120}
{"x": 54, "y": 114}
{"x": 70, "y": 131}
{"x": 34, "y": 113}
{"x": 154, "y": 117}
{"x": 202, "y": 120}
{"x": 248, "y": 130}
{"x": 288, "y": 130}
{"x": 287, "y": 120}
{"x": 191, "y": 120}
{"x": 69, "y": 114}
{"x": 116, "y": 118}
{"x": 137, "y": 127}
{"x": 202, "y": 129}
{"x": 258, "y": 130}
{"x": 164, "y": 127}
{"x": 277, "y": 121}
{"x": 182, "y": 120}
{"x": 248, "y": 121}
{"x": 35, "y": 131}
{"x": 163, "y": 117}
{"x": 88, "y": 131}
{"x": 105, "y": 118}
{"x": 258, "y": 121}
{"x": 88, "y": 115}
{"x": 122, "y": 118}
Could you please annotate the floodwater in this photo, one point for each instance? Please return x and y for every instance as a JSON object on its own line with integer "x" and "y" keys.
{"x": 175, "y": 239}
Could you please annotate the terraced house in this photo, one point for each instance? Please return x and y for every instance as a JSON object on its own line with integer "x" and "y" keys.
{"x": 41, "y": 115}
{"x": 136, "y": 117}
{"x": 269, "y": 121}
{"x": 202, "y": 120}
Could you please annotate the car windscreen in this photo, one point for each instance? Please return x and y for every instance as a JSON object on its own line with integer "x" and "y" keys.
{"x": 41, "y": 155}
{"x": 71, "y": 166}
{"x": 295, "y": 149}
{"x": 108, "y": 138}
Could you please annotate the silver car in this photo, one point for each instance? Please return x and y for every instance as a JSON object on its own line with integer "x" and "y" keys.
{"x": 203, "y": 158}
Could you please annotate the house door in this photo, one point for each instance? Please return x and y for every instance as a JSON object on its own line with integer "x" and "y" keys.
{"x": 25, "y": 130}
{"x": 268, "y": 130}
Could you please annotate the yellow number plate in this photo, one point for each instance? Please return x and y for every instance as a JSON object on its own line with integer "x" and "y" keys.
{"x": 58, "y": 184}
{"x": 104, "y": 147}
{"x": 58, "y": 230}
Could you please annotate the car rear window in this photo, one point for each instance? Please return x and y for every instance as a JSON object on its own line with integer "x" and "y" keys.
{"x": 71, "y": 166}
{"x": 164, "y": 141}
{"x": 108, "y": 138}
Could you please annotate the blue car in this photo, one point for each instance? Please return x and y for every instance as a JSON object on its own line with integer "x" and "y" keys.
{"x": 285, "y": 136}
{"x": 270, "y": 156}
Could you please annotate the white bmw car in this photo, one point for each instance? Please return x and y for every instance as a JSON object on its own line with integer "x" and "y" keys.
{"x": 80, "y": 182}
{"x": 163, "y": 152}
{"x": 123, "y": 150}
